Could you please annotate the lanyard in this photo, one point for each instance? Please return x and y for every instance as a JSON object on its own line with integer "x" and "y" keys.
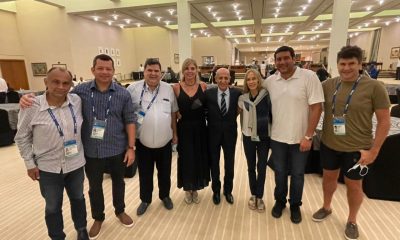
{"x": 60, "y": 131}
{"x": 108, "y": 106}
{"x": 346, "y": 107}
{"x": 152, "y": 100}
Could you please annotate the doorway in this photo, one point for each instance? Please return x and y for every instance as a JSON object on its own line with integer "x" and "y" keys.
{"x": 14, "y": 72}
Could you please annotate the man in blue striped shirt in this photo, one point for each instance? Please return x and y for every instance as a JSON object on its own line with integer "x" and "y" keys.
{"x": 108, "y": 136}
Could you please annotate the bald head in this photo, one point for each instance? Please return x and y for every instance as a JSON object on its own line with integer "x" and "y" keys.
{"x": 222, "y": 78}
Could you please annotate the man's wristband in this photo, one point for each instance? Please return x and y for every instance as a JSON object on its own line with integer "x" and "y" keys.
{"x": 308, "y": 138}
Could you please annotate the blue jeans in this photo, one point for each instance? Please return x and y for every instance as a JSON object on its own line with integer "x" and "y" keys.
{"x": 52, "y": 189}
{"x": 287, "y": 159}
{"x": 256, "y": 151}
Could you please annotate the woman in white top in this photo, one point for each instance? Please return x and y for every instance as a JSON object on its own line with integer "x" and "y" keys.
{"x": 255, "y": 117}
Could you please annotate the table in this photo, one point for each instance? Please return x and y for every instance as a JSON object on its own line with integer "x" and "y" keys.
{"x": 383, "y": 179}
{"x": 12, "y": 110}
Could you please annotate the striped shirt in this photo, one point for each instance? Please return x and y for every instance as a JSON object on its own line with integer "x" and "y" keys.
{"x": 121, "y": 113}
{"x": 39, "y": 141}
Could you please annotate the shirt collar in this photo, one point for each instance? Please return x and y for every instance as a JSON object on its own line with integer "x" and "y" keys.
{"x": 226, "y": 92}
{"x": 147, "y": 89}
{"x": 44, "y": 105}
{"x": 294, "y": 76}
{"x": 94, "y": 86}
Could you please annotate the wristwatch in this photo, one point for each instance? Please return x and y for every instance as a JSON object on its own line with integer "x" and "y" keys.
{"x": 308, "y": 138}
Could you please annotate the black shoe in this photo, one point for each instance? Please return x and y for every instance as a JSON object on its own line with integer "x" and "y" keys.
{"x": 277, "y": 209}
{"x": 142, "y": 208}
{"x": 168, "y": 203}
{"x": 216, "y": 198}
{"x": 229, "y": 198}
{"x": 295, "y": 214}
{"x": 83, "y": 235}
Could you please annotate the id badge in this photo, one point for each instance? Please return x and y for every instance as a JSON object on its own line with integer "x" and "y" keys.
{"x": 99, "y": 127}
{"x": 70, "y": 148}
{"x": 339, "y": 126}
{"x": 140, "y": 116}
{"x": 255, "y": 139}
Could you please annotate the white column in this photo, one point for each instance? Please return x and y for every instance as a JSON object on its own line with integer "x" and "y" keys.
{"x": 340, "y": 25}
{"x": 184, "y": 39}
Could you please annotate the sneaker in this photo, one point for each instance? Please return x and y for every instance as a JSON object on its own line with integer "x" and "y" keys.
{"x": 188, "y": 197}
{"x": 252, "y": 203}
{"x": 321, "y": 214}
{"x": 277, "y": 209}
{"x": 125, "y": 220}
{"x": 168, "y": 203}
{"x": 260, "y": 205}
{"x": 195, "y": 197}
{"x": 142, "y": 208}
{"x": 351, "y": 231}
{"x": 94, "y": 231}
{"x": 295, "y": 214}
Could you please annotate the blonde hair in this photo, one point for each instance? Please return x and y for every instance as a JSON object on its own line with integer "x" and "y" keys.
{"x": 185, "y": 65}
{"x": 258, "y": 76}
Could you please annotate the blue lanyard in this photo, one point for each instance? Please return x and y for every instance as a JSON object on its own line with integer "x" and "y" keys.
{"x": 152, "y": 100}
{"x": 60, "y": 131}
{"x": 108, "y": 106}
{"x": 346, "y": 107}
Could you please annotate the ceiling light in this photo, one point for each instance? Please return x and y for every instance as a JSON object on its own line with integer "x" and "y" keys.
{"x": 376, "y": 20}
{"x": 381, "y": 2}
{"x": 138, "y": 25}
{"x": 237, "y": 13}
{"x": 128, "y": 21}
{"x": 209, "y": 8}
{"x": 300, "y": 13}
{"x": 397, "y": 19}
{"x": 277, "y": 10}
{"x": 230, "y": 34}
{"x": 317, "y": 36}
{"x": 304, "y": 7}
{"x": 208, "y": 35}
{"x": 275, "y": 15}
{"x": 240, "y": 18}
{"x": 195, "y": 36}
{"x": 248, "y": 40}
{"x": 321, "y": 24}
{"x": 96, "y": 18}
{"x": 356, "y": 34}
{"x": 309, "y": 1}
{"x": 148, "y": 13}
{"x": 366, "y": 24}
{"x": 171, "y": 11}
{"x": 201, "y": 31}
{"x": 115, "y": 16}
{"x": 218, "y": 19}
{"x": 330, "y": 29}
{"x": 214, "y": 14}
{"x": 279, "y": 3}
{"x": 121, "y": 25}
{"x": 109, "y": 23}
{"x": 387, "y": 23}
{"x": 235, "y": 6}
{"x": 359, "y": 27}
{"x": 227, "y": 29}
{"x": 167, "y": 22}
{"x": 368, "y": 8}
{"x": 158, "y": 19}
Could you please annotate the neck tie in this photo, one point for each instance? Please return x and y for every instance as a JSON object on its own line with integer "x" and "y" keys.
{"x": 223, "y": 104}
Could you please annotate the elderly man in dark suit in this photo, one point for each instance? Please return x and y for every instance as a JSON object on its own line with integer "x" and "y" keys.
{"x": 222, "y": 132}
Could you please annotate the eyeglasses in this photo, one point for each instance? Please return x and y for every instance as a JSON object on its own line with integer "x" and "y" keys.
{"x": 363, "y": 169}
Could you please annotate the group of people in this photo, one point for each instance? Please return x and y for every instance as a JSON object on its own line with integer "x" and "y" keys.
{"x": 103, "y": 123}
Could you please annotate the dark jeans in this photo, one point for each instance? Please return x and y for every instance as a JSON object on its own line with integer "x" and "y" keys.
{"x": 288, "y": 156}
{"x": 52, "y": 189}
{"x": 146, "y": 158}
{"x": 398, "y": 73}
{"x": 254, "y": 150}
{"x": 95, "y": 168}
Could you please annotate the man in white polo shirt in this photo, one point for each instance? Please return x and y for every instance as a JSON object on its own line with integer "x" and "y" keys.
{"x": 155, "y": 108}
{"x": 296, "y": 97}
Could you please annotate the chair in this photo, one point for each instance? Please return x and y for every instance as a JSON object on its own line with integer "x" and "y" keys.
{"x": 395, "y": 111}
{"x": 6, "y": 133}
{"x": 13, "y": 97}
{"x": 3, "y": 96}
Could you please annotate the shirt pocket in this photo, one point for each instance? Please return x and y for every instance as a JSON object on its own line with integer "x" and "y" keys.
{"x": 165, "y": 106}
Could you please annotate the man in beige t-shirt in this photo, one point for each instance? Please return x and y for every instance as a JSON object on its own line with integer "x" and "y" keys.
{"x": 350, "y": 102}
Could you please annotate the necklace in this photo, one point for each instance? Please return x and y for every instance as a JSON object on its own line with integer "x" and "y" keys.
{"x": 189, "y": 85}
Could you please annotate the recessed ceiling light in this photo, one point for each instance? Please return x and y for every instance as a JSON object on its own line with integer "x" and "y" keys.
{"x": 398, "y": 19}
{"x": 115, "y": 16}
{"x": 148, "y": 13}
{"x": 218, "y": 19}
{"x": 96, "y": 18}
{"x": 304, "y": 7}
{"x": 277, "y": 10}
{"x": 279, "y": 3}
{"x": 366, "y": 24}
{"x": 128, "y": 21}
{"x": 227, "y": 29}
{"x": 121, "y": 25}
{"x": 235, "y": 6}
{"x": 356, "y": 34}
{"x": 158, "y": 19}
{"x": 359, "y": 27}
{"x": 276, "y": 15}
{"x": 248, "y": 40}
{"x": 171, "y": 11}
{"x": 167, "y": 22}
{"x": 240, "y": 18}
{"x": 138, "y": 25}
{"x": 201, "y": 31}
{"x": 195, "y": 36}
{"x": 381, "y": 2}
{"x": 387, "y": 23}
{"x": 109, "y": 23}
{"x": 209, "y": 8}
{"x": 376, "y": 20}
{"x": 237, "y": 13}
{"x": 300, "y": 13}
{"x": 214, "y": 14}
{"x": 368, "y": 8}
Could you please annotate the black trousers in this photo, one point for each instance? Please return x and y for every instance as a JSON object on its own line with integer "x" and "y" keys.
{"x": 94, "y": 169}
{"x": 146, "y": 158}
{"x": 228, "y": 144}
{"x": 398, "y": 73}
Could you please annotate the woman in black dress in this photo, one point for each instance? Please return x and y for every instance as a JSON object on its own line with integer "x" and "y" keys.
{"x": 193, "y": 170}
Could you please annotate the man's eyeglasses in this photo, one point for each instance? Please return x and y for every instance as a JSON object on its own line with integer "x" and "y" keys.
{"x": 363, "y": 169}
